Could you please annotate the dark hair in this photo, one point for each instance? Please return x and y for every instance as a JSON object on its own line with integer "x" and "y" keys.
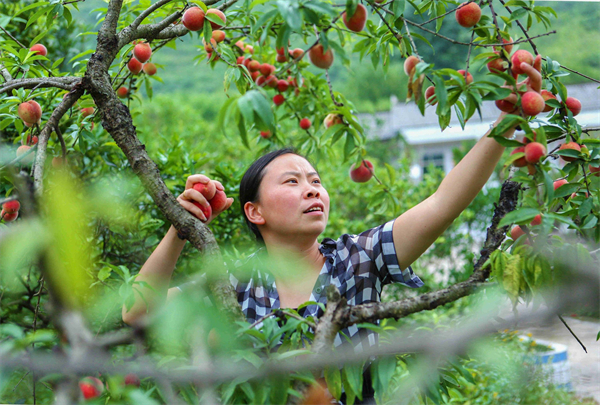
{"x": 251, "y": 182}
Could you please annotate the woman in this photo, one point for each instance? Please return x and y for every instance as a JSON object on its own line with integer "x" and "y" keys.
{"x": 287, "y": 207}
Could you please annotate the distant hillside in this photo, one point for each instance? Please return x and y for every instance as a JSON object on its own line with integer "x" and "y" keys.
{"x": 575, "y": 45}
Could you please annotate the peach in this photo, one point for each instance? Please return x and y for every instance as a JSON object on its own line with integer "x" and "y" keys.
{"x": 219, "y": 201}
{"x": 505, "y": 106}
{"x": 534, "y": 151}
{"x": 572, "y": 146}
{"x": 253, "y": 66}
{"x": 240, "y": 60}
{"x": 594, "y": 170}
{"x": 469, "y": 77}
{"x": 297, "y": 53}
{"x": 150, "y": 69}
{"x": 249, "y": 49}
{"x": 134, "y": 66}
{"x": 8, "y": 217}
{"x": 531, "y": 169}
{"x": 86, "y": 112}
{"x": 39, "y": 49}
{"x": 519, "y": 57}
{"x": 142, "y": 52}
{"x": 209, "y": 47}
{"x": 255, "y": 75}
{"x": 30, "y": 140}
{"x": 521, "y": 162}
{"x": 532, "y": 103}
{"x": 319, "y": 58}
{"x": 208, "y": 191}
{"x": 122, "y": 92}
{"x": 508, "y": 48}
{"x": 516, "y": 232}
{"x": 332, "y": 119}
{"x": 241, "y": 45}
{"x": 305, "y": 123}
{"x": 219, "y": 14}
{"x": 560, "y": 182}
{"x": 410, "y": 63}
{"x": 547, "y": 96}
{"x": 278, "y": 99}
{"x": 267, "y": 69}
{"x": 468, "y": 14}
{"x": 362, "y": 173}
{"x": 282, "y": 85}
{"x": 430, "y": 95}
{"x": 193, "y": 19}
{"x": 91, "y": 387}
{"x": 271, "y": 81}
{"x": 574, "y": 105}
{"x": 357, "y": 21}
{"x": 497, "y": 65}
{"x": 218, "y": 36}
{"x": 266, "y": 134}
{"x": 132, "y": 379}
{"x": 537, "y": 220}
{"x": 11, "y": 206}
{"x": 23, "y": 149}
{"x": 281, "y": 58}
{"x": 30, "y": 111}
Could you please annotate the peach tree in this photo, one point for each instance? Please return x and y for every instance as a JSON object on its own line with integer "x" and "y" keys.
{"x": 73, "y": 112}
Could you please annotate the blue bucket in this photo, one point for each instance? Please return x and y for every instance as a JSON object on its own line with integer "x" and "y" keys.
{"x": 554, "y": 361}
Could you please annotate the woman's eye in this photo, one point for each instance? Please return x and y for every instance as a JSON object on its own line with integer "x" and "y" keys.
{"x": 317, "y": 181}
{"x": 292, "y": 180}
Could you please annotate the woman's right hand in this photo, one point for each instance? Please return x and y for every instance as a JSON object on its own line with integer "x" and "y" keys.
{"x": 190, "y": 197}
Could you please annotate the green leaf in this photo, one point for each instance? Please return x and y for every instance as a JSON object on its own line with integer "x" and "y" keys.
{"x": 333, "y": 378}
{"x": 354, "y": 376}
{"x": 566, "y": 189}
{"x": 519, "y": 216}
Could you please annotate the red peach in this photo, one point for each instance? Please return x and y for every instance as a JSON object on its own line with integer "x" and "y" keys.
{"x": 282, "y": 85}
{"x": 266, "y": 134}
{"x": 430, "y": 95}
{"x": 208, "y": 191}
{"x": 218, "y": 35}
{"x": 305, "y": 123}
{"x": 362, "y": 173}
{"x": 319, "y": 58}
{"x": 266, "y": 69}
{"x": 11, "y": 206}
{"x": 219, "y": 14}
{"x": 281, "y": 58}
{"x": 519, "y": 57}
{"x": 193, "y": 19}
{"x": 91, "y": 387}
{"x": 278, "y": 99}
{"x": 142, "y": 52}
{"x": 122, "y": 92}
{"x": 594, "y": 170}
{"x": 497, "y": 65}
{"x": 8, "y": 217}
{"x": 249, "y": 49}
{"x": 559, "y": 183}
{"x": 572, "y": 146}
{"x": 30, "y": 111}
{"x": 357, "y": 21}
{"x": 505, "y": 106}
{"x": 332, "y": 119}
{"x": 469, "y": 77}
{"x": 39, "y": 49}
{"x": 132, "y": 379}
{"x": 468, "y": 15}
{"x": 516, "y": 232}
{"x": 537, "y": 220}
{"x": 508, "y": 48}
{"x": 574, "y": 105}
{"x": 532, "y": 103}
{"x": 547, "y": 96}
{"x": 297, "y": 53}
{"x": 150, "y": 69}
{"x": 134, "y": 66}
{"x": 534, "y": 151}
{"x": 86, "y": 112}
{"x": 410, "y": 63}
{"x": 219, "y": 201}
{"x": 521, "y": 162}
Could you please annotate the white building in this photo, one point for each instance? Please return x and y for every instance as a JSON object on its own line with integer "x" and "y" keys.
{"x": 431, "y": 145}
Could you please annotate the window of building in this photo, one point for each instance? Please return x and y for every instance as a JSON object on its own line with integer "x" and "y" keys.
{"x": 436, "y": 158}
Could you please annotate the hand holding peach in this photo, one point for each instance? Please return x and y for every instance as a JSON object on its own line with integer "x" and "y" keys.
{"x": 204, "y": 198}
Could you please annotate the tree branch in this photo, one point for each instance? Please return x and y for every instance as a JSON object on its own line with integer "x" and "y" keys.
{"x": 65, "y": 83}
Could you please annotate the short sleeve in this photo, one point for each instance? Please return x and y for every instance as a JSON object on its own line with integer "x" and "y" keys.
{"x": 380, "y": 242}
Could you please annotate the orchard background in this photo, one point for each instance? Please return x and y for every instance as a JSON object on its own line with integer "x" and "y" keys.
{"x": 97, "y": 191}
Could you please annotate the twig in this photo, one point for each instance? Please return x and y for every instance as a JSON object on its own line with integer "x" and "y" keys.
{"x": 574, "y": 335}
{"x": 62, "y": 143}
{"x": 522, "y": 29}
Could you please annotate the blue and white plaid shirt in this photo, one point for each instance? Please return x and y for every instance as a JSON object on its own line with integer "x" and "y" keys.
{"x": 358, "y": 265}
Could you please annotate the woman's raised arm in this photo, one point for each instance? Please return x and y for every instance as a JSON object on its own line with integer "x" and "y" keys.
{"x": 416, "y": 229}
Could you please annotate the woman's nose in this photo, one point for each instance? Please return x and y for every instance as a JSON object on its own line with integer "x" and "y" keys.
{"x": 312, "y": 192}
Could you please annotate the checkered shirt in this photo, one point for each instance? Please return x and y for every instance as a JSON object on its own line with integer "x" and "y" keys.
{"x": 358, "y": 265}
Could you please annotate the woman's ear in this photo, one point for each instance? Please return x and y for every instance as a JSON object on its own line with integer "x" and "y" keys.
{"x": 253, "y": 213}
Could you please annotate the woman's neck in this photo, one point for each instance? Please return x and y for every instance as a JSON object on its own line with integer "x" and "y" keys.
{"x": 294, "y": 263}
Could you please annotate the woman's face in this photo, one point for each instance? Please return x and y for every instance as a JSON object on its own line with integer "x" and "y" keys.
{"x": 291, "y": 199}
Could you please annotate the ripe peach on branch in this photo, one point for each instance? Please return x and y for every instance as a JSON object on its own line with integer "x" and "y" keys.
{"x": 362, "y": 173}
{"x": 193, "y": 19}
{"x": 320, "y": 58}
{"x": 357, "y": 21}
{"x": 142, "y": 52}
{"x": 468, "y": 14}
